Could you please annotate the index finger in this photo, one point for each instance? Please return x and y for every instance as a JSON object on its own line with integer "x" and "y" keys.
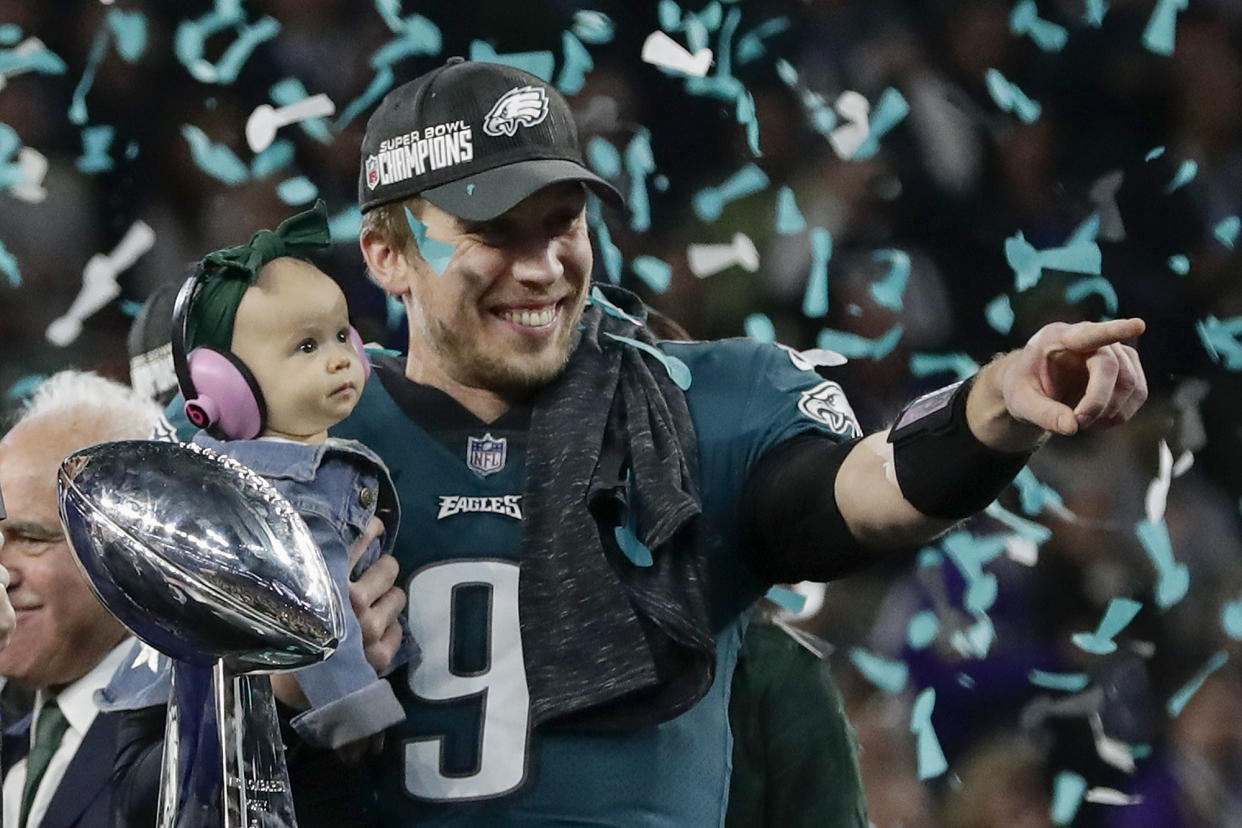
{"x": 1091, "y": 336}
{"x": 374, "y": 529}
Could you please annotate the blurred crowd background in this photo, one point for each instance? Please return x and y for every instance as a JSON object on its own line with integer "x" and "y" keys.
{"x": 1110, "y": 139}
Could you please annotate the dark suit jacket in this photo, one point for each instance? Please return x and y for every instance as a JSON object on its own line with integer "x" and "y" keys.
{"x": 84, "y": 797}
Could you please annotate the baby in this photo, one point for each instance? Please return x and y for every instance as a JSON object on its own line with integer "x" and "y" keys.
{"x": 267, "y": 362}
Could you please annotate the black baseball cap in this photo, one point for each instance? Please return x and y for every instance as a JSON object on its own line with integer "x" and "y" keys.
{"x": 474, "y": 139}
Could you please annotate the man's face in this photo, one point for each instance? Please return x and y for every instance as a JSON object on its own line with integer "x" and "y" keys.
{"x": 292, "y": 332}
{"x": 62, "y": 630}
{"x": 504, "y": 314}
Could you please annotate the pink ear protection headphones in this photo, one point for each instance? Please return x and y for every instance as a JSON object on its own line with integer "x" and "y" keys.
{"x": 220, "y": 393}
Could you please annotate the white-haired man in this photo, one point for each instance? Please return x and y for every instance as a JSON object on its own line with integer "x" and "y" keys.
{"x": 66, "y": 645}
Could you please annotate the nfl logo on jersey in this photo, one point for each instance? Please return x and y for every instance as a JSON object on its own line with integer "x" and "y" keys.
{"x": 485, "y": 455}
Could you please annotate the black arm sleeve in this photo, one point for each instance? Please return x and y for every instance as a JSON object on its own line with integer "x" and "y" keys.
{"x": 792, "y": 530}
{"x": 136, "y": 776}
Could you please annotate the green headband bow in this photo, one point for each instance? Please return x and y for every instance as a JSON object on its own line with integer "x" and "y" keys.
{"x": 296, "y": 236}
{"x": 228, "y": 273}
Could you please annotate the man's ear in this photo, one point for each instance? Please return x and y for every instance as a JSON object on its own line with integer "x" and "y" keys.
{"x": 386, "y": 262}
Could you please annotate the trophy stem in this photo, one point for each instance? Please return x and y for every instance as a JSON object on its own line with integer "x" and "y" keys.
{"x": 224, "y": 762}
{"x": 257, "y": 792}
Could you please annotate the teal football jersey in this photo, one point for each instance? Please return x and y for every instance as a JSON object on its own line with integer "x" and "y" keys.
{"x": 466, "y": 754}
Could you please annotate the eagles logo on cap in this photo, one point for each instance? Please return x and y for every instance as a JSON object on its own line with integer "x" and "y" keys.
{"x": 522, "y": 106}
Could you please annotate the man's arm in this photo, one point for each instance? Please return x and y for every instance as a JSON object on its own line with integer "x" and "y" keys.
{"x": 817, "y": 509}
{"x": 1066, "y": 378}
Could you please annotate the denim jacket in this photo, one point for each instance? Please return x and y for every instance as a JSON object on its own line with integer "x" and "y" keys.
{"x": 336, "y": 486}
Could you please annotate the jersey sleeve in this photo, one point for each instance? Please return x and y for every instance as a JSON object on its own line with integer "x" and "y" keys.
{"x": 752, "y": 396}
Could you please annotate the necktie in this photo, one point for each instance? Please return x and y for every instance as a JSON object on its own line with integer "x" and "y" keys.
{"x": 51, "y": 727}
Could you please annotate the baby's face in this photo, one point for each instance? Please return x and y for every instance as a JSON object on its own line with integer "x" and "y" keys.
{"x": 292, "y": 331}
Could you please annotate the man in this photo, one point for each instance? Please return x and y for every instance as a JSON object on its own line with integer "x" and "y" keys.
{"x": 66, "y": 645}
{"x": 590, "y": 513}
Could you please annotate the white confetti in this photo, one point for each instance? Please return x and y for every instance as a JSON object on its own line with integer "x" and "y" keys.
{"x": 99, "y": 285}
{"x": 709, "y": 259}
{"x": 262, "y": 124}
{"x": 661, "y": 50}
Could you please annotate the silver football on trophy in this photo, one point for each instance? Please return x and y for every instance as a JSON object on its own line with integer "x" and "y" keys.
{"x": 199, "y": 556}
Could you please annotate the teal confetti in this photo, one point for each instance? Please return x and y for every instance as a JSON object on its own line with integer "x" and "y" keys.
{"x": 750, "y": 45}
{"x": 192, "y": 35}
{"x": 923, "y": 629}
{"x": 1070, "y": 682}
{"x": 10, "y": 33}
{"x": 888, "y": 112}
{"x": 1173, "y": 578}
{"x": 1226, "y": 231}
{"x": 1120, "y": 612}
{"x": 395, "y": 311}
{"x": 710, "y": 202}
{"x": 965, "y": 681}
{"x": 597, "y": 297}
{"x": 345, "y": 225}
{"x": 746, "y": 116}
{"x": 130, "y": 308}
{"x": 1185, "y": 174}
{"x": 593, "y": 27}
{"x": 887, "y": 674}
{"x": 295, "y": 191}
{"x": 291, "y": 91}
{"x": 131, "y": 150}
{"x": 855, "y": 346}
{"x": 656, "y": 273}
{"x": 931, "y": 758}
{"x": 379, "y": 84}
{"x": 1025, "y": 20}
{"x": 540, "y": 64}
{"x": 1067, "y": 794}
{"x": 1010, "y": 98}
{"x": 43, "y": 61}
{"x": 1094, "y": 286}
{"x": 759, "y": 328}
{"x": 854, "y": 309}
{"x": 975, "y": 640}
{"x": 216, "y": 160}
{"x": 1034, "y": 496}
{"x": 280, "y": 154}
{"x": 999, "y": 313}
{"x": 677, "y": 370}
{"x": 959, "y": 364}
{"x": 436, "y": 253}
{"x": 1231, "y": 619}
{"x": 815, "y": 299}
{"x": 789, "y": 219}
{"x": 603, "y": 157}
{"x": 1153, "y": 154}
{"x": 786, "y": 599}
{"x": 1096, "y": 9}
{"x": 639, "y": 163}
{"x": 576, "y": 64}
{"x": 669, "y": 15}
{"x": 9, "y": 267}
{"x": 1179, "y": 264}
{"x": 614, "y": 260}
{"x": 1161, "y": 32}
{"x": 1178, "y": 701}
{"x": 660, "y": 182}
{"x": 888, "y": 292}
{"x": 25, "y": 387}
{"x": 633, "y": 549}
{"x": 1223, "y": 340}
{"x": 96, "y": 141}
{"x": 77, "y": 105}
{"x": 1079, "y": 254}
{"x": 130, "y": 30}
